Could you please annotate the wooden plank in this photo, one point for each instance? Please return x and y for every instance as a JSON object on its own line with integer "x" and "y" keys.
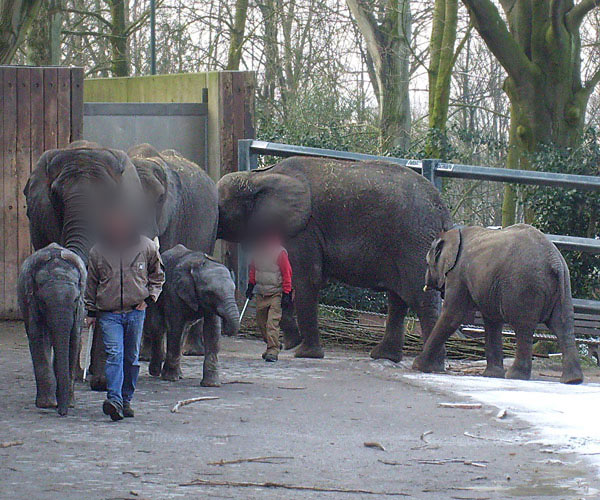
{"x": 237, "y": 126}
{"x": 2, "y": 201}
{"x": 37, "y": 114}
{"x": 76, "y": 104}
{"x": 63, "y": 105}
{"x": 23, "y": 159}
{"x": 50, "y": 108}
{"x": 11, "y": 222}
{"x": 225, "y": 125}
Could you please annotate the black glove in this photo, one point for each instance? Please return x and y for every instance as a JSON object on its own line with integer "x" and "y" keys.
{"x": 250, "y": 291}
{"x": 287, "y": 300}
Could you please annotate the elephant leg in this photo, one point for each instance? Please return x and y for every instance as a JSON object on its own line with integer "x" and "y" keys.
{"x": 41, "y": 350}
{"x": 154, "y": 330}
{"x": 561, "y": 325}
{"x": 192, "y": 345}
{"x": 211, "y": 335}
{"x": 74, "y": 356}
{"x": 428, "y": 311}
{"x": 494, "y": 354}
{"x": 453, "y": 312}
{"x": 171, "y": 369}
{"x": 146, "y": 347}
{"x": 521, "y": 368}
{"x": 307, "y": 301}
{"x": 391, "y": 345}
{"x": 98, "y": 360}
{"x": 289, "y": 326}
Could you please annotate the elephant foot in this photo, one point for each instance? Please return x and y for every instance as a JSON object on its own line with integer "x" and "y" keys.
{"x": 518, "y": 372}
{"x": 211, "y": 379}
{"x": 170, "y": 374}
{"x": 98, "y": 383}
{"x": 45, "y": 402}
{"x": 386, "y": 351}
{"x": 426, "y": 366}
{"x": 572, "y": 375}
{"x": 291, "y": 340}
{"x": 309, "y": 351}
{"x": 154, "y": 368}
{"x": 494, "y": 372}
{"x": 145, "y": 352}
{"x": 197, "y": 350}
{"x": 63, "y": 411}
{"x": 78, "y": 372}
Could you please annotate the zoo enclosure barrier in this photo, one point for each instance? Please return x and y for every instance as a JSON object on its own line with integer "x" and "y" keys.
{"x": 435, "y": 171}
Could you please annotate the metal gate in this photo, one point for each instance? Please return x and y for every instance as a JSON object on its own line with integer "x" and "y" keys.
{"x": 180, "y": 126}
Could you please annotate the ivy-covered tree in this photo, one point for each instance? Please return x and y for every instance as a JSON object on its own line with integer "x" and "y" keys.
{"x": 539, "y": 46}
{"x": 16, "y": 18}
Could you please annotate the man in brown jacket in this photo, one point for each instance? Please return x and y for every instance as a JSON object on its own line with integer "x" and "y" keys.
{"x": 125, "y": 275}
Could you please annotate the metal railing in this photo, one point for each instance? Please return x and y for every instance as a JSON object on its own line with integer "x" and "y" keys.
{"x": 435, "y": 171}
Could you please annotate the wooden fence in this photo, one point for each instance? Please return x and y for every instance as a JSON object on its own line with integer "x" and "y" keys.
{"x": 42, "y": 108}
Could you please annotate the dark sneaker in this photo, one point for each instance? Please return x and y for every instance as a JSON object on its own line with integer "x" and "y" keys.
{"x": 128, "y": 410}
{"x": 264, "y": 355}
{"x": 270, "y": 358}
{"x": 113, "y": 409}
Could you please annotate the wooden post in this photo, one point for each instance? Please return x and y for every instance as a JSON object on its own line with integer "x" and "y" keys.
{"x": 42, "y": 108}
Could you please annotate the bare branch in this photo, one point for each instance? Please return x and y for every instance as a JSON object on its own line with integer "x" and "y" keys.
{"x": 502, "y": 44}
{"x": 577, "y": 14}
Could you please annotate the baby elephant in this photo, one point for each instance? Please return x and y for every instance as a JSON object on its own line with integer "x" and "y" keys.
{"x": 196, "y": 288}
{"x": 50, "y": 291}
{"x": 515, "y": 276}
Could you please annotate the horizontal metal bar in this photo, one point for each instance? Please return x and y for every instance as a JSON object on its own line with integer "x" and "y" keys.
{"x": 586, "y": 182}
{"x": 588, "y": 245}
{"x": 585, "y": 306}
{"x": 287, "y": 150}
{"x": 145, "y": 109}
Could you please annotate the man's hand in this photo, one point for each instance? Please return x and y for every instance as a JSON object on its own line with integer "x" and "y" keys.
{"x": 141, "y": 306}
{"x": 89, "y": 321}
{"x": 287, "y": 300}
{"x": 250, "y": 291}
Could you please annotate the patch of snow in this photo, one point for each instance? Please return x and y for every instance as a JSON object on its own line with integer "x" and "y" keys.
{"x": 565, "y": 416}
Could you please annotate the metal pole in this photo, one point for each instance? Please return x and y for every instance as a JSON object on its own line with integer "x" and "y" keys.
{"x": 153, "y": 37}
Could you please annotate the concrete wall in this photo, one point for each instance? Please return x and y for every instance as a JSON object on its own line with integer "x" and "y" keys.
{"x": 230, "y": 105}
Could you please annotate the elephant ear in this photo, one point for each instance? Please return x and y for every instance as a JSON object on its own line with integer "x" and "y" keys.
{"x": 185, "y": 277}
{"x": 446, "y": 252}
{"x": 43, "y": 223}
{"x": 282, "y": 203}
{"x": 74, "y": 259}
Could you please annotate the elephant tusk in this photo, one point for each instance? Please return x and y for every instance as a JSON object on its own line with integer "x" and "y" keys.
{"x": 425, "y": 288}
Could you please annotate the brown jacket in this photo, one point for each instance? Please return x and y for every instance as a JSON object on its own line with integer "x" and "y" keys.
{"x": 119, "y": 281}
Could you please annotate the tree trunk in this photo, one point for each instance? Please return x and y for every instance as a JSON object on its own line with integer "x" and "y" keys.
{"x": 44, "y": 40}
{"x": 119, "y": 37}
{"x": 388, "y": 45}
{"x": 540, "y": 49}
{"x": 236, "y": 41}
{"x": 16, "y": 18}
{"x": 442, "y": 58}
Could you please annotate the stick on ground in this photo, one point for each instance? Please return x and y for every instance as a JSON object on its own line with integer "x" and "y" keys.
{"x": 265, "y": 460}
{"x": 206, "y": 482}
{"x": 186, "y": 402}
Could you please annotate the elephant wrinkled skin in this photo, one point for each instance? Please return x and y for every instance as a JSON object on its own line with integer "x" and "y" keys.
{"x": 367, "y": 224}
{"x": 196, "y": 287}
{"x": 515, "y": 276}
{"x": 50, "y": 292}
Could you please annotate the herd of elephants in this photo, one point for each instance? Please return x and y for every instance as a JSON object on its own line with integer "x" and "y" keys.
{"x": 370, "y": 224}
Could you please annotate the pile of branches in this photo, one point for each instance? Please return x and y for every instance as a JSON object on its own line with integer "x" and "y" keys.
{"x": 341, "y": 326}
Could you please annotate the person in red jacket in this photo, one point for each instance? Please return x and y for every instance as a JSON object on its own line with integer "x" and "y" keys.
{"x": 270, "y": 278}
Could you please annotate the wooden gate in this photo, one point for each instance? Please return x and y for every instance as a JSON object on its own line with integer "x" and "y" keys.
{"x": 42, "y": 108}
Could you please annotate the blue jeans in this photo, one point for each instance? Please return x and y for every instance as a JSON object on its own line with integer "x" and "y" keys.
{"x": 122, "y": 335}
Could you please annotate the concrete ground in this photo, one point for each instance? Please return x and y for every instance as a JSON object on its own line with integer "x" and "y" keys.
{"x": 311, "y": 419}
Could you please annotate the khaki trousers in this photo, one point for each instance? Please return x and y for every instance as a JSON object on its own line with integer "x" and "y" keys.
{"x": 268, "y": 316}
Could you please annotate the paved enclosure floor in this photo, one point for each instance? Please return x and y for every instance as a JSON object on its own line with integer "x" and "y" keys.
{"x": 313, "y": 416}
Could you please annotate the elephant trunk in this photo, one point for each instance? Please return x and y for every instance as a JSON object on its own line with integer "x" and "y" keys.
{"x": 77, "y": 226}
{"x": 60, "y": 326}
{"x": 231, "y": 317}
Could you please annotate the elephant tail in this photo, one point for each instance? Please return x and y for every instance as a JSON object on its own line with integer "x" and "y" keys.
{"x": 563, "y": 305}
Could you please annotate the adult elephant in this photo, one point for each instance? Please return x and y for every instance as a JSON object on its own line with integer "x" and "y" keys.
{"x": 68, "y": 188}
{"x": 184, "y": 201}
{"x": 367, "y": 224}
{"x": 65, "y": 195}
